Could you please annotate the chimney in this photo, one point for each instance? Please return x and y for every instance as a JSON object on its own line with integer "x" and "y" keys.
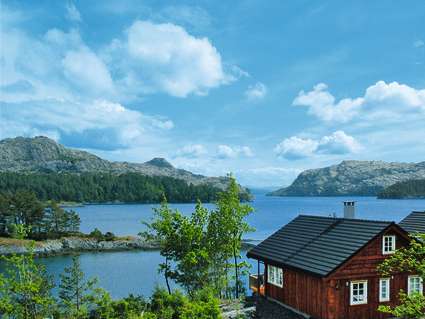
{"x": 349, "y": 211}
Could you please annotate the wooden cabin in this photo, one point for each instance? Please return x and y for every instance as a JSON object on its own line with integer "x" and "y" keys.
{"x": 326, "y": 268}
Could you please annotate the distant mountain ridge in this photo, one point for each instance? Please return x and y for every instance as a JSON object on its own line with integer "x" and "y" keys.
{"x": 42, "y": 155}
{"x": 362, "y": 178}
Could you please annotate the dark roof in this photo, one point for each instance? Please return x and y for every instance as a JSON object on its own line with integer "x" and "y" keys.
{"x": 317, "y": 244}
{"x": 414, "y": 223}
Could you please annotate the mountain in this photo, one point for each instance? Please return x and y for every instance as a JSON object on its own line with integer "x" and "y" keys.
{"x": 366, "y": 178}
{"x": 43, "y": 155}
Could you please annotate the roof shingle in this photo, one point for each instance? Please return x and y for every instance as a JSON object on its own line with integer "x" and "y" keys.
{"x": 414, "y": 223}
{"x": 317, "y": 244}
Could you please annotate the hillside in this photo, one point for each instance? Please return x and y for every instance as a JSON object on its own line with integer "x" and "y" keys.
{"x": 43, "y": 157}
{"x": 406, "y": 189}
{"x": 363, "y": 178}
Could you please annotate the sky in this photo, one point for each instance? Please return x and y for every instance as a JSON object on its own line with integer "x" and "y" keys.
{"x": 260, "y": 89}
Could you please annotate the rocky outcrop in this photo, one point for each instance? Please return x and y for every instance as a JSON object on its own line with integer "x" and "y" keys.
{"x": 362, "y": 178}
{"x": 74, "y": 244}
{"x": 41, "y": 154}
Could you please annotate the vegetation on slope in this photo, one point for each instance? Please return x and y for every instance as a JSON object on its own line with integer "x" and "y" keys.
{"x": 104, "y": 187}
{"x": 407, "y": 189}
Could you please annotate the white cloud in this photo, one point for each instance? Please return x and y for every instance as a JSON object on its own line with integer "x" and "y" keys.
{"x": 418, "y": 44}
{"x": 164, "y": 57}
{"x": 85, "y": 69}
{"x": 124, "y": 127}
{"x": 338, "y": 143}
{"x": 72, "y": 12}
{"x": 294, "y": 148}
{"x": 256, "y": 92}
{"x": 386, "y": 102}
{"x": 228, "y": 152}
{"x": 191, "y": 151}
{"x": 322, "y": 104}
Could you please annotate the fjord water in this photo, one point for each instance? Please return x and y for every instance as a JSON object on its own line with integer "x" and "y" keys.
{"x": 136, "y": 271}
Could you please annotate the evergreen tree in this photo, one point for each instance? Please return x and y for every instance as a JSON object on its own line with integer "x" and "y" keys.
{"x": 75, "y": 293}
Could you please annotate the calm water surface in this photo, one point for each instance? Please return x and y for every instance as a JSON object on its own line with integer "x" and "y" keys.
{"x": 136, "y": 272}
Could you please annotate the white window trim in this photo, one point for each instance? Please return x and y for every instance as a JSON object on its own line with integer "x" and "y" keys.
{"x": 393, "y": 242}
{"x": 388, "y": 281}
{"x": 278, "y": 272}
{"x": 355, "y": 303}
{"x": 421, "y": 285}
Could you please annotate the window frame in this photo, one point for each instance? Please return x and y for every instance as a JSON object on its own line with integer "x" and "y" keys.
{"x": 365, "y": 292}
{"x": 275, "y": 276}
{"x": 409, "y": 285}
{"x": 388, "y": 287}
{"x": 393, "y": 246}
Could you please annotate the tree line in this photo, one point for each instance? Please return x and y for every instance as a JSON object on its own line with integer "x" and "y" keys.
{"x": 42, "y": 220}
{"x": 407, "y": 189}
{"x": 104, "y": 187}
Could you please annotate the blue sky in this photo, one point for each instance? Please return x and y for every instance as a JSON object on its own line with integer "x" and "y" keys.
{"x": 263, "y": 89}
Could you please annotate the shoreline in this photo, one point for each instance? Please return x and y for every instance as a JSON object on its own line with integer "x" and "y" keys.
{"x": 75, "y": 244}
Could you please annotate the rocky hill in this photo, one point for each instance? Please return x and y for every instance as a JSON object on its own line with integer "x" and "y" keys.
{"x": 366, "y": 178}
{"x": 42, "y": 155}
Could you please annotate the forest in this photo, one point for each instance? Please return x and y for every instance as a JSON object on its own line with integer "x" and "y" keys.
{"x": 103, "y": 187}
{"x": 407, "y": 189}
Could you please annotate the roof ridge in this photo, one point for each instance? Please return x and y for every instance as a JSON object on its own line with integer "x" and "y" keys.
{"x": 326, "y": 230}
{"x": 350, "y": 219}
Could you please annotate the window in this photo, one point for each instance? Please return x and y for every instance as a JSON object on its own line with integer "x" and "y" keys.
{"x": 358, "y": 293}
{"x": 415, "y": 284}
{"x": 384, "y": 290}
{"x": 275, "y": 275}
{"x": 388, "y": 245}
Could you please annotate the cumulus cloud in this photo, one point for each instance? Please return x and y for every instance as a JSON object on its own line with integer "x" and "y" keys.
{"x": 166, "y": 58}
{"x": 294, "y": 148}
{"x": 72, "y": 12}
{"x": 383, "y": 101}
{"x": 338, "y": 143}
{"x": 256, "y": 92}
{"x": 322, "y": 104}
{"x": 191, "y": 151}
{"x": 122, "y": 126}
{"x": 85, "y": 69}
{"x": 227, "y": 152}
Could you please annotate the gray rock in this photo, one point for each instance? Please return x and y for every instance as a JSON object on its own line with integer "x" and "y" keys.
{"x": 78, "y": 244}
{"x": 363, "y": 178}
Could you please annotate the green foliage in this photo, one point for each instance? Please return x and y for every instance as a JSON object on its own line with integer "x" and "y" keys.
{"x": 407, "y": 189}
{"x": 205, "y": 246}
{"x": 75, "y": 293}
{"x": 410, "y": 259}
{"x": 41, "y": 220}
{"x": 103, "y": 187}
{"x": 411, "y": 306}
{"x": 97, "y": 234}
{"x": 25, "y": 288}
{"x": 228, "y": 226}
